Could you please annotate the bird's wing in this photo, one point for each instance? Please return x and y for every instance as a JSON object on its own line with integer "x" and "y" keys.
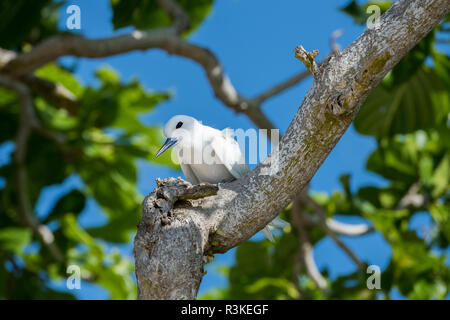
{"x": 279, "y": 223}
{"x": 230, "y": 155}
{"x": 189, "y": 173}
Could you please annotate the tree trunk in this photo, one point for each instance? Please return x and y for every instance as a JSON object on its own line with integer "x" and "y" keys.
{"x": 182, "y": 225}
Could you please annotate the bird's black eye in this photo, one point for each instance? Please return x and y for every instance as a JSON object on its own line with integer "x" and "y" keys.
{"x": 179, "y": 124}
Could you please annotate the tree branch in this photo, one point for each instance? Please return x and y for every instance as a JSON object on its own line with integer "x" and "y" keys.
{"x": 326, "y": 112}
{"x": 54, "y": 93}
{"x": 320, "y": 212}
{"x": 165, "y": 39}
{"x": 178, "y": 271}
{"x": 290, "y": 82}
{"x": 306, "y": 247}
{"x": 413, "y": 198}
{"x": 346, "y": 229}
{"x": 241, "y": 208}
{"x": 278, "y": 88}
{"x": 308, "y": 59}
{"x": 181, "y": 21}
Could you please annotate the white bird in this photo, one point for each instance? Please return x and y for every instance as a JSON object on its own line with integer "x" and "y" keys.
{"x": 208, "y": 155}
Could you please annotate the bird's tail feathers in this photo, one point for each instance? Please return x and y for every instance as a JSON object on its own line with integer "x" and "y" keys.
{"x": 276, "y": 223}
{"x": 267, "y": 233}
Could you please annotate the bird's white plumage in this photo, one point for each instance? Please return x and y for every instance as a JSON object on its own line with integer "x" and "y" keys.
{"x": 209, "y": 155}
{"x": 230, "y": 155}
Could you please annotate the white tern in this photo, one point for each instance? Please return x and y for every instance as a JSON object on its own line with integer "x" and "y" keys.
{"x": 208, "y": 155}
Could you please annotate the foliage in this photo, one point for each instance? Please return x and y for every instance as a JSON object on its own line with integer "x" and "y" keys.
{"x": 104, "y": 139}
{"x": 100, "y": 145}
{"x": 31, "y": 21}
{"x": 147, "y": 14}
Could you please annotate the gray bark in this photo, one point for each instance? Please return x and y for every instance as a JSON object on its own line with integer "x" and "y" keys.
{"x": 173, "y": 240}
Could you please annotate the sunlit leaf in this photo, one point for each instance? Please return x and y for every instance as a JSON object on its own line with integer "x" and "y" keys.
{"x": 14, "y": 239}
{"x": 388, "y": 111}
{"x": 147, "y": 14}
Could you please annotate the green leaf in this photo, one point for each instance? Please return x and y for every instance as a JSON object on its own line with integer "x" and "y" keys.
{"x": 359, "y": 12}
{"x": 392, "y": 161}
{"x": 283, "y": 284}
{"x": 442, "y": 67}
{"x": 73, "y": 203}
{"x": 441, "y": 214}
{"x": 420, "y": 102}
{"x": 441, "y": 176}
{"x": 30, "y": 20}
{"x": 112, "y": 271}
{"x": 14, "y": 239}
{"x": 355, "y": 11}
{"x": 429, "y": 290}
{"x": 53, "y": 117}
{"x": 112, "y": 184}
{"x": 55, "y": 73}
{"x": 116, "y": 104}
{"x": 147, "y": 14}
{"x": 9, "y": 118}
{"x": 413, "y": 60}
{"x": 116, "y": 278}
{"x": 107, "y": 75}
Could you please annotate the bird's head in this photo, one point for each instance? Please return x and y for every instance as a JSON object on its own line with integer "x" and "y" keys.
{"x": 179, "y": 129}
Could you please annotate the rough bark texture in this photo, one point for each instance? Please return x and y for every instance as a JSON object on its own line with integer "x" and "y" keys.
{"x": 173, "y": 239}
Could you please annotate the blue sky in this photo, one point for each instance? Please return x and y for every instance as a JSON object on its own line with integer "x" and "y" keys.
{"x": 254, "y": 39}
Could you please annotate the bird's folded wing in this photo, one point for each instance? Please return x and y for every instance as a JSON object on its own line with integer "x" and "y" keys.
{"x": 230, "y": 155}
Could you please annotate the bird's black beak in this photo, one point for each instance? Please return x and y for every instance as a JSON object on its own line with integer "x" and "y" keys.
{"x": 170, "y": 142}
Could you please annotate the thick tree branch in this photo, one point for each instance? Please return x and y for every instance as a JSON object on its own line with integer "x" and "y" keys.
{"x": 178, "y": 271}
{"x": 242, "y": 208}
{"x": 326, "y": 112}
